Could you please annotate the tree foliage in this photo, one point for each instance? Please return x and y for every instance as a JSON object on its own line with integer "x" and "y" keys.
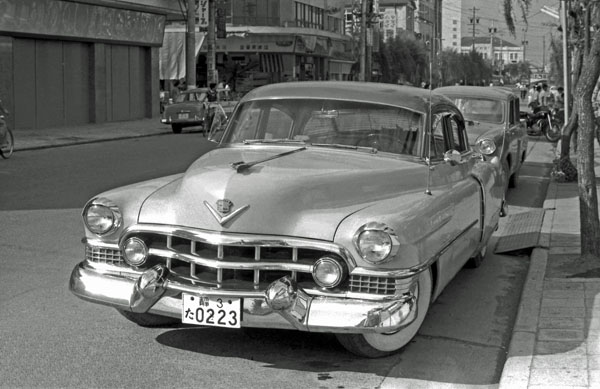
{"x": 466, "y": 68}
{"x": 404, "y": 59}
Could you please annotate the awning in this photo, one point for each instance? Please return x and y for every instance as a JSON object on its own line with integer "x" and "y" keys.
{"x": 271, "y": 63}
{"x": 172, "y": 54}
{"x": 340, "y": 67}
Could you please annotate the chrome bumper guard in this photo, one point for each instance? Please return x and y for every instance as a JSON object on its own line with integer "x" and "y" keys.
{"x": 282, "y": 305}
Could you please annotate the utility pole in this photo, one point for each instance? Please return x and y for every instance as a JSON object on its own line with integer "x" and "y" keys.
{"x": 474, "y": 21}
{"x": 211, "y": 54}
{"x": 544, "y": 53}
{"x": 524, "y": 42}
{"x": 492, "y": 31}
{"x": 363, "y": 40}
{"x": 190, "y": 45}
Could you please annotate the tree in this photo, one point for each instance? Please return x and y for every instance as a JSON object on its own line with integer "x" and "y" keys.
{"x": 404, "y": 59}
{"x": 586, "y": 70}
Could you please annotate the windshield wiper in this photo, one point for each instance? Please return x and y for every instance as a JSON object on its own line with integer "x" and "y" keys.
{"x": 343, "y": 146}
{"x": 278, "y": 140}
{"x": 241, "y": 165}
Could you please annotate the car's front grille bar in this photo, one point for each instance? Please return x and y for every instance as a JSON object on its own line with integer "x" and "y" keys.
{"x": 243, "y": 262}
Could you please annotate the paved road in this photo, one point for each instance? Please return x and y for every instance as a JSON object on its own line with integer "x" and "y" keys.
{"x": 49, "y": 338}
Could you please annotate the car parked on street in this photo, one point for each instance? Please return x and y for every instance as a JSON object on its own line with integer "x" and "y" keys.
{"x": 192, "y": 108}
{"x": 492, "y": 115}
{"x": 338, "y": 207}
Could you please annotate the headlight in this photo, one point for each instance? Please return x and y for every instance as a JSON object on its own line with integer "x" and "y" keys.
{"x": 376, "y": 242}
{"x": 486, "y": 146}
{"x": 328, "y": 272}
{"x": 101, "y": 216}
{"x": 135, "y": 251}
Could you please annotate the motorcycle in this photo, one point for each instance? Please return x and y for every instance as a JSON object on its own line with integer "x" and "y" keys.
{"x": 544, "y": 120}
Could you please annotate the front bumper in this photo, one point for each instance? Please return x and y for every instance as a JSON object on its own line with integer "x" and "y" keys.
{"x": 283, "y": 305}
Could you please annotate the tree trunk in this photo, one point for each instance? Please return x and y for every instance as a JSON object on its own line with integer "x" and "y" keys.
{"x": 588, "y": 197}
{"x": 571, "y": 127}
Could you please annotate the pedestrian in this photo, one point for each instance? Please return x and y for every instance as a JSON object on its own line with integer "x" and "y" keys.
{"x": 211, "y": 94}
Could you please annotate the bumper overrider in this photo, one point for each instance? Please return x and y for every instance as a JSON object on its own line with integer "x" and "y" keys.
{"x": 282, "y": 305}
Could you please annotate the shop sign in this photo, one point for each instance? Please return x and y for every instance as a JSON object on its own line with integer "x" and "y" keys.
{"x": 203, "y": 14}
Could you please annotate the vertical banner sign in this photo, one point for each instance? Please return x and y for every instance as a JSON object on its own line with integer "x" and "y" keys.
{"x": 221, "y": 20}
{"x": 203, "y": 14}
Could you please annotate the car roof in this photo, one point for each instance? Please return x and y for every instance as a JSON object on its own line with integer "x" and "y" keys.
{"x": 490, "y": 92}
{"x": 416, "y": 99}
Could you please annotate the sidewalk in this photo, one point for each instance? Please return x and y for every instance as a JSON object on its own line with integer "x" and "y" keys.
{"x": 87, "y": 133}
{"x": 556, "y": 337}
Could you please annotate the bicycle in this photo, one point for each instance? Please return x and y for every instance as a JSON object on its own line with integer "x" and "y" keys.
{"x": 7, "y": 140}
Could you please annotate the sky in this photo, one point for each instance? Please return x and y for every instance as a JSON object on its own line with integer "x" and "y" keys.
{"x": 540, "y": 27}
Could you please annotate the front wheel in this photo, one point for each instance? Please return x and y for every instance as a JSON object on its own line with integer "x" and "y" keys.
{"x": 379, "y": 345}
{"x": 176, "y": 128}
{"x": 7, "y": 147}
{"x": 552, "y": 132}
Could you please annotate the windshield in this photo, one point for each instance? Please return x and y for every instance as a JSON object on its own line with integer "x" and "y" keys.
{"x": 481, "y": 110}
{"x": 327, "y": 122}
{"x": 191, "y": 96}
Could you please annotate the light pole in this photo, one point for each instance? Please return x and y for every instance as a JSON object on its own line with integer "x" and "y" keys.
{"x": 190, "y": 45}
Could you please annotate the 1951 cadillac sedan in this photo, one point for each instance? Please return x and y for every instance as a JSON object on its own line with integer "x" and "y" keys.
{"x": 492, "y": 116}
{"x": 337, "y": 207}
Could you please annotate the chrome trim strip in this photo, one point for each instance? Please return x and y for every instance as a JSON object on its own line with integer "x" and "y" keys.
{"x": 245, "y": 240}
{"x": 182, "y": 284}
{"x": 220, "y": 264}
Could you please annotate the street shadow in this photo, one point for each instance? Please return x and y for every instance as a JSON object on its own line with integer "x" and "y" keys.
{"x": 278, "y": 349}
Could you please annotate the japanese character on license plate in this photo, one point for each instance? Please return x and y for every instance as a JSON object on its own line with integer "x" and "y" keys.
{"x": 211, "y": 311}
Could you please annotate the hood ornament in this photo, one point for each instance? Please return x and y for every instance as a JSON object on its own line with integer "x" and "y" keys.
{"x": 224, "y": 213}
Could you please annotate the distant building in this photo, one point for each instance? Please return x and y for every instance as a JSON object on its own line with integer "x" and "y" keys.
{"x": 451, "y": 24}
{"x": 396, "y": 16}
{"x": 501, "y": 51}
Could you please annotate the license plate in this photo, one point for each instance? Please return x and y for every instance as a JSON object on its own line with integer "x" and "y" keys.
{"x": 211, "y": 311}
{"x": 183, "y": 116}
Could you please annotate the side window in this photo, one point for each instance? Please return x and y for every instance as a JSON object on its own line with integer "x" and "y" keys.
{"x": 247, "y": 124}
{"x": 511, "y": 112}
{"x": 438, "y": 141}
{"x": 279, "y": 125}
{"x": 457, "y": 130}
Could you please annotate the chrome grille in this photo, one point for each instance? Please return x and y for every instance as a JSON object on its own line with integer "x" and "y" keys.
{"x": 374, "y": 285}
{"x": 103, "y": 255}
{"x": 240, "y": 265}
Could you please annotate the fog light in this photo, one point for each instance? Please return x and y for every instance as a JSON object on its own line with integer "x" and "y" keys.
{"x": 135, "y": 251}
{"x": 328, "y": 272}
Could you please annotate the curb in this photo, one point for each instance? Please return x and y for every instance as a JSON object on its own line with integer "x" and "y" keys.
{"x": 83, "y": 141}
{"x": 517, "y": 368}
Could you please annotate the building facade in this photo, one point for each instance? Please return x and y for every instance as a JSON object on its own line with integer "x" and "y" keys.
{"x": 76, "y": 62}
{"x": 451, "y": 24}
{"x": 501, "y": 51}
{"x": 396, "y": 16}
{"x": 274, "y": 41}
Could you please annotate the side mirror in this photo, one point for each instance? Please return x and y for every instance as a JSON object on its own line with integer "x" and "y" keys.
{"x": 453, "y": 157}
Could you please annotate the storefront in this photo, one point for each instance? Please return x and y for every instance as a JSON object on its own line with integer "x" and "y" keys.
{"x": 253, "y": 56}
{"x": 69, "y": 63}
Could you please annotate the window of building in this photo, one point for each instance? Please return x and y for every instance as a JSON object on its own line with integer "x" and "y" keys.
{"x": 454, "y": 21}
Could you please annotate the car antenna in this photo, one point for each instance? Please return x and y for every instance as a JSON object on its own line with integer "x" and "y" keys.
{"x": 429, "y": 137}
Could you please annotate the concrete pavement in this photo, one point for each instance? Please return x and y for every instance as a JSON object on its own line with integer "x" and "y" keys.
{"x": 87, "y": 133}
{"x": 556, "y": 337}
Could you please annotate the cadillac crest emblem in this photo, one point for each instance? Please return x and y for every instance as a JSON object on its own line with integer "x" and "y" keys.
{"x": 224, "y": 211}
{"x": 224, "y": 206}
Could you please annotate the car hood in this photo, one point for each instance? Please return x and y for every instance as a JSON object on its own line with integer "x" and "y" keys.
{"x": 479, "y": 129}
{"x": 304, "y": 194}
